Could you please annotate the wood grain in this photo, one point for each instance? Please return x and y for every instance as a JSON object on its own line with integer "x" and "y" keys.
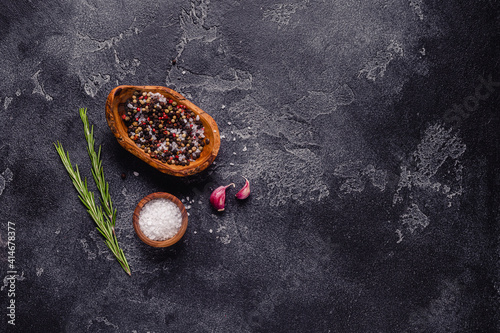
{"x": 167, "y": 242}
{"x": 115, "y": 108}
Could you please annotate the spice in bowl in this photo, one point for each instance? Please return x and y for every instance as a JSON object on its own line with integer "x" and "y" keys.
{"x": 160, "y": 219}
{"x": 163, "y": 129}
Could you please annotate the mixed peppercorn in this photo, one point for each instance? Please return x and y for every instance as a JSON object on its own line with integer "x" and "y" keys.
{"x": 163, "y": 129}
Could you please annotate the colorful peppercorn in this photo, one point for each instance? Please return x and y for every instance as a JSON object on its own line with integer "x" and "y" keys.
{"x": 180, "y": 129}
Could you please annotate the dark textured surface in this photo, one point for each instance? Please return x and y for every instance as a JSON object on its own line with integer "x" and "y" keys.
{"x": 374, "y": 207}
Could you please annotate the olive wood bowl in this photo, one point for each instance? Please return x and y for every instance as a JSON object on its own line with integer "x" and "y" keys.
{"x": 167, "y": 242}
{"x": 115, "y": 108}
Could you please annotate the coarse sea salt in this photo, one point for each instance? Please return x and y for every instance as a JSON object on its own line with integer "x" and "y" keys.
{"x": 160, "y": 219}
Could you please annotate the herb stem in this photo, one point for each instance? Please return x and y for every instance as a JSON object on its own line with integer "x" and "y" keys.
{"x": 105, "y": 217}
{"x": 97, "y": 169}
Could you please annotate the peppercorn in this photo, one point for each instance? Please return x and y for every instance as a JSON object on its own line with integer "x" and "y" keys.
{"x": 165, "y": 117}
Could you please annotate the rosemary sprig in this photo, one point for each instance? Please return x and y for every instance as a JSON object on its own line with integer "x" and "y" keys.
{"x": 97, "y": 170}
{"x": 106, "y": 220}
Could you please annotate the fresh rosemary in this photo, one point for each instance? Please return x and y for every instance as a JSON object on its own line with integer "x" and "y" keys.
{"x": 105, "y": 218}
{"x": 97, "y": 170}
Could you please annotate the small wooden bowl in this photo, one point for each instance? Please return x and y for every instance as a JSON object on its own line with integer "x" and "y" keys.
{"x": 115, "y": 108}
{"x": 167, "y": 242}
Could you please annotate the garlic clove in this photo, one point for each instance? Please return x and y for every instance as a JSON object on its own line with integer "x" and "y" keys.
{"x": 245, "y": 190}
{"x": 218, "y": 197}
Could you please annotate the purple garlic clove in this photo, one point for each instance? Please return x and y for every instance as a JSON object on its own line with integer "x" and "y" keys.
{"x": 245, "y": 190}
{"x": 218, "y": 197}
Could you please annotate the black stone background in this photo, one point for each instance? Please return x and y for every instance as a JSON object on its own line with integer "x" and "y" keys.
{"x": 316, "y": 247}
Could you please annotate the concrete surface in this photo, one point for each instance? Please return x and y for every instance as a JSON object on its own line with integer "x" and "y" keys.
{"x": 368, "y": 131}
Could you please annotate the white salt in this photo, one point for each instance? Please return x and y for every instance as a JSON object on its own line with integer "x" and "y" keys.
{"x": 160, "y": 219}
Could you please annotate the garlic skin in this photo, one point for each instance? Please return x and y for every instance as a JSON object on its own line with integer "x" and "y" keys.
{"x": 245, "y": 191}
{"x": 218, "y": 197}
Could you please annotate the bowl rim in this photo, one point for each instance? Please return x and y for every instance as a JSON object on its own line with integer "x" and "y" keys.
{"x": 169, "y": 241}
{"x": 115, "y": 123}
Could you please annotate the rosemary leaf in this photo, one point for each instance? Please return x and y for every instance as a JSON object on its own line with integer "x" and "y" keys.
{"x": 97, "y": 169}
{"x": 104, "y": 218}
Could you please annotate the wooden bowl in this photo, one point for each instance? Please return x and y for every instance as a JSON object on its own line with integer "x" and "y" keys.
{"x": 167, "y": 242}
{"x": 115, "y": 108}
